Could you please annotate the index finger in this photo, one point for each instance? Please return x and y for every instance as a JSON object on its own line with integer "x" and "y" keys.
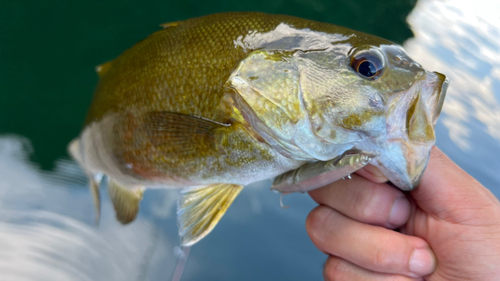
{"x": 365, "y": 201}
{"x": 372, "y": 173}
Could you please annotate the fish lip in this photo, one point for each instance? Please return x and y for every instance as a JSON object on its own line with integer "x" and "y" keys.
{"x": 440, "y": 91}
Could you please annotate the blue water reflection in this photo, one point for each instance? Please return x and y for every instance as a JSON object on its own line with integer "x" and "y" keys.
{"x": 460, "y": 39}
{"x": 47, "y": 232}
{"x": 46, "y": 226}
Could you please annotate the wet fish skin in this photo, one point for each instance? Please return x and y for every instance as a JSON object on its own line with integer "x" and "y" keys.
{"x": 184, "y": 69}
{"x": 221, "y": 101}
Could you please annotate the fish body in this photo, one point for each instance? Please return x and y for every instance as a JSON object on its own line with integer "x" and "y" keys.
{"x": 214, "y": 103}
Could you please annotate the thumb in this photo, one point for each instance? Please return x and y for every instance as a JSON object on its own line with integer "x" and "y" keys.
{"x": 448, "y": 192}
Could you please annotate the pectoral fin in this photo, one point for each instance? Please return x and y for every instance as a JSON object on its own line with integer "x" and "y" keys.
{"x": 94, "y": 181}
{"x": 180, "y": 134}
{"x": 199, "y": 209}
{"x": 96, "y": 197}
{"x": 125, "y": 200}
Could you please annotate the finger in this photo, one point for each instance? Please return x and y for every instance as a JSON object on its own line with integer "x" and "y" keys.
{"x": 445, "y": 186}
{"x": 338, "y": 269}
{"x": 365, "y": 201}
{"x": 371, "y": 247}
{"x": 372, "y": 173}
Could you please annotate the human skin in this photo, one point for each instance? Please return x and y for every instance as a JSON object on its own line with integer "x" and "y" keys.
{"x": 446, "y": 229}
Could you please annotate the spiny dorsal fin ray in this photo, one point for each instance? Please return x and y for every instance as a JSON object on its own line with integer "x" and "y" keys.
{"x": 199, "y": 209}
{"x": 125, "y": 200}
{"x": 103, "y": 68}
{"x": 170, "y": 24}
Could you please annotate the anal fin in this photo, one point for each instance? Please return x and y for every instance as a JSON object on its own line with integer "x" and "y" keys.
{"x": 199, "y": 209}
{"x": 125, "y": 200}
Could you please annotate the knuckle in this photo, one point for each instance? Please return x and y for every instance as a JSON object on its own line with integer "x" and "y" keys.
{"x": 362, "y": 201}
{"x": 379, "y": 259}
{"x": 382, "y": 259}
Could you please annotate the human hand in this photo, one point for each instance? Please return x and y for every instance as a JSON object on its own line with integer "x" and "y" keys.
{"x": 449, "y": 227}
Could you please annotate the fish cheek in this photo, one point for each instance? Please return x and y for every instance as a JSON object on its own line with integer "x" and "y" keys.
{"x": 322, "y": 129}
{"x": 352, "y": 121}
{"x": 359, "y": 121}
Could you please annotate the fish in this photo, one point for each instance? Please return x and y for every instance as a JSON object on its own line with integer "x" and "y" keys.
{"x": 214, "y": 103}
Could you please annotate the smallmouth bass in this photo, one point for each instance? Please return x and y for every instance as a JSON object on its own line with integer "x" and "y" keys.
{"x": 214, "y": 103}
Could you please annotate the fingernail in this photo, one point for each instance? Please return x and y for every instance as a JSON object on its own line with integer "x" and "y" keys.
{"x": 422, "y": 262}
{"x": 379, "y": 177}
{"x": 400, "y": 212}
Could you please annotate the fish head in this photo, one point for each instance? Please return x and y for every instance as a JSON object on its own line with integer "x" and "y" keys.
{"x": 315, "y": 104}
{"x": 383, "y": 102}
{"x": 412, "y": 99}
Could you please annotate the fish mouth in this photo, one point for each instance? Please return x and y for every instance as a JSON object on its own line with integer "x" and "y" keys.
{"x": 410, "y": 131}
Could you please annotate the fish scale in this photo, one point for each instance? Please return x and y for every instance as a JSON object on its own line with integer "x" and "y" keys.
{"x": 169, "y": 50}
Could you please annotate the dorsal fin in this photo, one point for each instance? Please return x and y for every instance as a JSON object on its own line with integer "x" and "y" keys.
{"x": 170, "y": 24}
{"x": 103, "y": 68}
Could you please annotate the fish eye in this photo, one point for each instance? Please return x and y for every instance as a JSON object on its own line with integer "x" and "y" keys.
{"x": 367, "y": 65}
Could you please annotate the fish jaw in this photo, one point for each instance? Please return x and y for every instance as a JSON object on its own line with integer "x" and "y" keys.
{"x": 411, "y": 118}
{"x": 403, "y": 163}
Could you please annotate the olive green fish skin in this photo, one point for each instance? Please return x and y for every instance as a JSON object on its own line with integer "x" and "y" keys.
{"x": 183, "y": 69}
{"x": 240, "y": 97}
